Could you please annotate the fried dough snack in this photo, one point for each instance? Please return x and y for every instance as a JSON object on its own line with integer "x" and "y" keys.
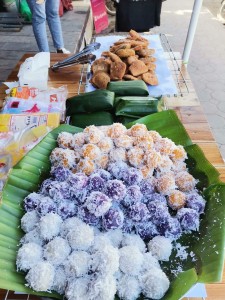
{"x": 150, "y": 78}
{"x": 125, "y": 52}
{"x": 128, "y": 59}
{"x": 117, "y": 70}
{"x": 145, "y": 52}
{"x": 100, "y": 64}
{"x": 100, "y": 80}
{"x": 137, "y": 68}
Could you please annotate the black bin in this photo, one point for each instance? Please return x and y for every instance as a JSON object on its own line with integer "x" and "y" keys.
{"x": 139, "y": 15}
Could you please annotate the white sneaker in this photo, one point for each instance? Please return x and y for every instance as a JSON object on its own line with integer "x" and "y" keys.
{"x": 63, "y": 50}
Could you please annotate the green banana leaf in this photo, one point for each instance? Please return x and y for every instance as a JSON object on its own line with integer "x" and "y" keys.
{"x": 138, "y": 106}
{"x": 207, "y": 244}
{"x": 98, "y": 100}
{"x": 128, "y": 88}
{"x": 97, "y": 118}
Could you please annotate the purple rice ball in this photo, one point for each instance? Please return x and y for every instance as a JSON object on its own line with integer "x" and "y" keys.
{"x": 155, "y": 197}
{"x": 31, "y": 201}
{"x": 128, "y": 225}
{"x": 104, "y": 174}
{"x": 45, "y": 186}
{"x": 60, "y": 173}
{"x": 146, "y": 230}
{"x": 188, "y": 218}
{"x": 159, "y": 212}
{"x": 78, "y": 180}
{"x": 132, "y": 196}
{"x": 138, "y": 212}
{"x": 196, "y": 202}
{"x": 67, "y": 209}
{"x": 78, "y": 195}
{"x": 133, "y": 176}
{"x": 95, "y": 183}
{"x": 115, "y": 189}
{"x": 98, "y": 203}
{"x": 113, "y": 219}
{"x": 59, "y": 191}
{"x": 87, "y": 217}
{"x": 46, "y": 205}
{"x": 118, "y": 170}
{"x": 170, "y": 229}
{"x": 147, "y": 187}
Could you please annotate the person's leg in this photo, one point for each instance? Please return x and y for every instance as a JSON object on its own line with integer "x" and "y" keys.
{"x": 54, "y": 23}
{"x": 39, "y": 24}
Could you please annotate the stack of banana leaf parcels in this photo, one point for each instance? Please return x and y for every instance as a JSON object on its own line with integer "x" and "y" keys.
{"x": 122, "y": 102}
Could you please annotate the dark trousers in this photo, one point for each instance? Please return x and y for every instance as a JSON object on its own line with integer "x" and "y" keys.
{"x": 138, "y": 15}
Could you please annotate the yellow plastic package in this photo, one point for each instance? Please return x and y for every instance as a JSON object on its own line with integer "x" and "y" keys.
{"x": 18, "y": 122}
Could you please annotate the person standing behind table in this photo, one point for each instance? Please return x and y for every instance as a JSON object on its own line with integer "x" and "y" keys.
{"x": 42, "y": 11}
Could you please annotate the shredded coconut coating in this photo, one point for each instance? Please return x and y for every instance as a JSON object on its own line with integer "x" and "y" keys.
{"x": 154, "y": 284}
{"x": 78, "y": 140}
{"x": 165, "y": 146}
{"x": 128, "y": 288}
{"x": 100, "y": 242}
{"x": 77, "y": 264}
{"x": 134, "y": 239}
{"x": 65, "y": 140}
{"x": 50, "y": 226}
{"x": 153, "y": 158}
{"x": 80, "y": 237}
{"x": 105, "y": 144}
{"x": 32, "y": 236}
{"x": 40, "y": 277}
{"x": 160, "y": 247}
{"x": 93, "y": 134}
{"x": 63, "y": 157}
{"x": 124, "y": 141}
{"x": 131, "y": 260}
{"x": 185, "y": 181}
{"x": 91, "y": 151}
{"x": 57, "y": 251}
{"x": 105, "y": 260}
{"x": 135, "y": 156}
{"x": 150, "y": 262}
{"x": 117, "y": 155}
{"x": 116, "y": 130}
{"x": 77, "y": 289}
{"x": 102, "y": 288}
{"x": 87, "y": 166}
{"x": 69, "y": 224}
{"x": 176, "y": 199}
{"x": 115, "y": 236}
{"x": 165, "y": 183}
{"x": 138, "y": 130}
{"x": 28, "y": 255}
{"x": 29, "y": 221}
{"x": 178, "y": 153}
{"x": 60, "y": 280}
{"x": 98, "y": 203}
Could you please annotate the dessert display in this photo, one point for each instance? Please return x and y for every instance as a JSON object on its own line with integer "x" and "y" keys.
{"x": 116, "y": 202}
{"x": 127, "y": 59}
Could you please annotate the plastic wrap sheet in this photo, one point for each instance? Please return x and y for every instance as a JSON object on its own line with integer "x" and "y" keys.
{"x": 166, "y": 84}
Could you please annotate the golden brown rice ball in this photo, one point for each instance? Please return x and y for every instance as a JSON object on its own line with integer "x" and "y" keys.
{"x": 176, "y": 199}
{"x": 91, "y": 151}
{"x": 185, "y": 181}
{"x": 65, "y": 140}
{"x": 116, "y": 130}
{"x": 153, "y": 159}
{"x": 138, "y": 130}
{"x": 92, "y": 134}
{"x": 106, "y": 144}
{"x": 178, "y": 153}
{"x": 124, "y": 141}
{"x": 135, "y": 156}
{"x": 166, "y": 183}
{"x": 86, "y": 166}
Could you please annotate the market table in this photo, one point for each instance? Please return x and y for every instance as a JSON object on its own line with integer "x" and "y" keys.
{"x": 186, "y": 104}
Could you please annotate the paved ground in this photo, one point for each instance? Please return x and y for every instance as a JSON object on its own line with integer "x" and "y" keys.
{"x": 207, "y": 60}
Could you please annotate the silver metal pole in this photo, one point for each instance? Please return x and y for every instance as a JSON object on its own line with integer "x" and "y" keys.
{"x": 191, "y": 30}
